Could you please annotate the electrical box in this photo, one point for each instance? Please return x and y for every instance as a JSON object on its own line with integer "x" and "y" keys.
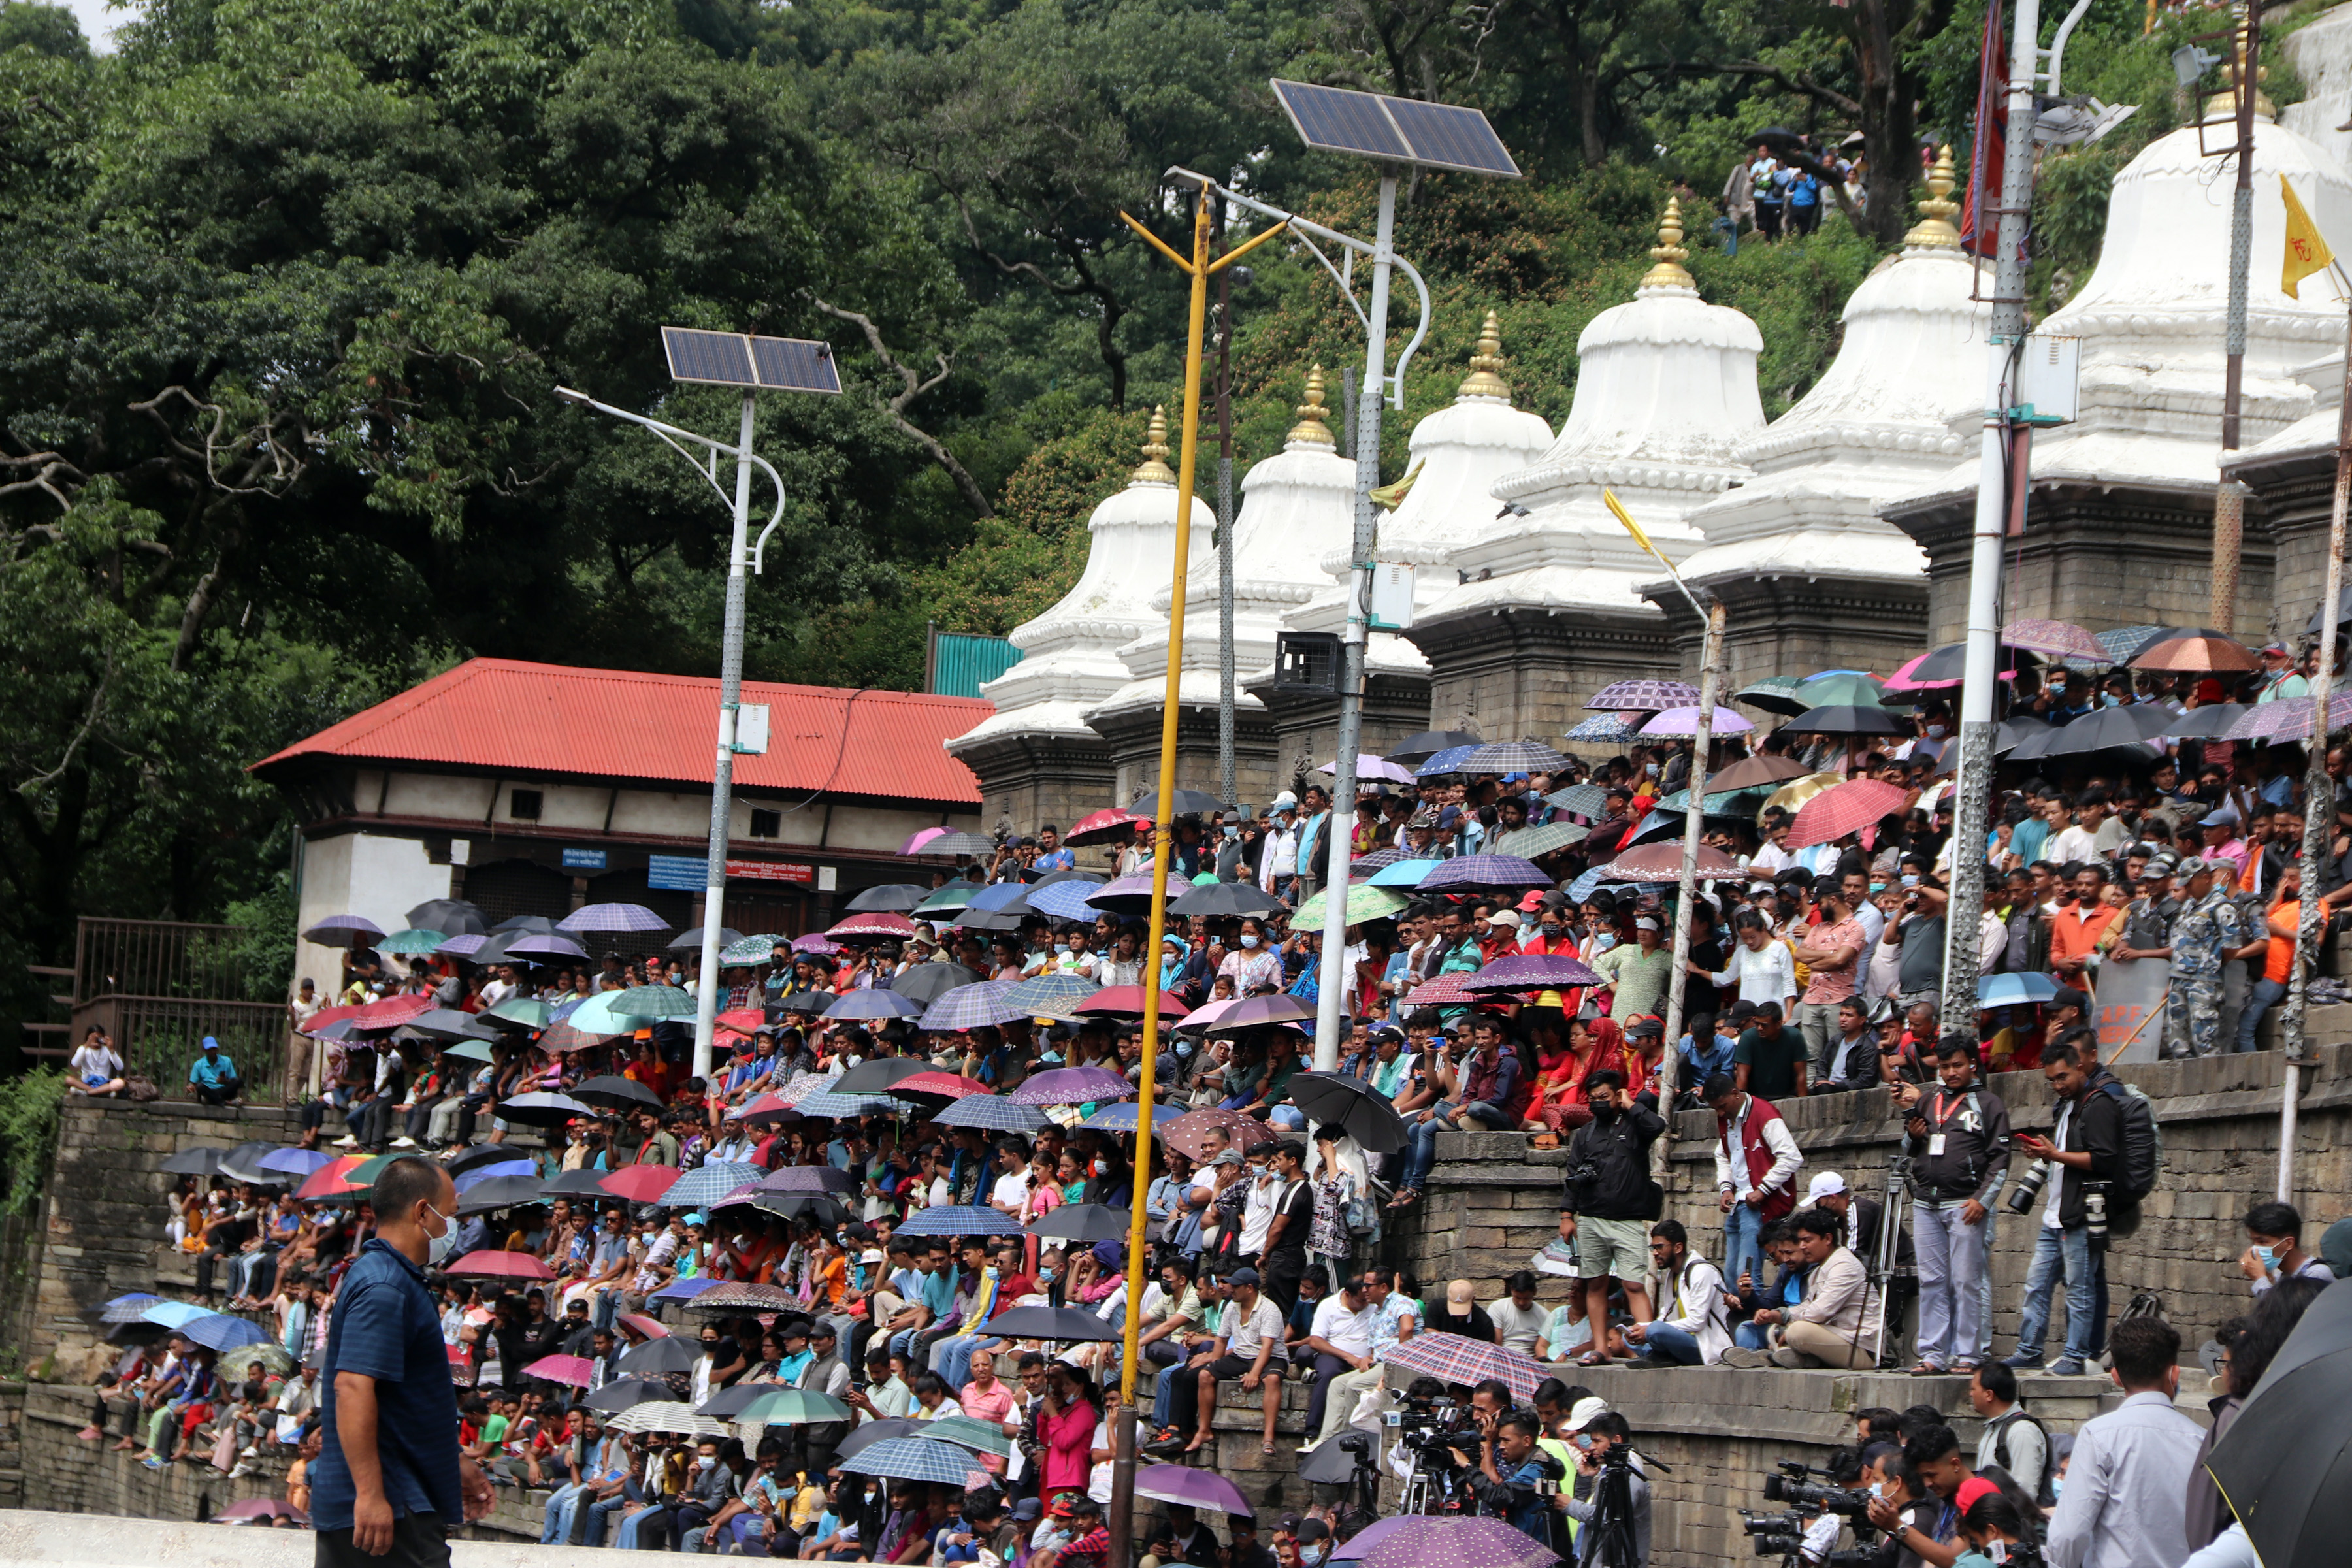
{"x": 751, "y": 730}
{"x": 1306, "y": 661}
{"x": 2047, "y": 374}
{"x": 1392, "y": 606}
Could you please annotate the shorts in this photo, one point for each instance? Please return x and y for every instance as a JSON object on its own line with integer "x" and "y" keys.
{"x": 1612, "y": 1247}
{"x": 1229, "y": 1365}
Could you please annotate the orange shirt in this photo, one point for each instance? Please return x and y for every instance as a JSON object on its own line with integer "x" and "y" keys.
{"x": 2073, "y": 935}
{"x": 2278, "y": 964}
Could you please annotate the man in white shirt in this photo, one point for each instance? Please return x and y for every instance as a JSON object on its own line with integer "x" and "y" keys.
{"x": 2080, "y": 843}
{"x": 1250, "y": 1349}
{"x": 2126, "y": 1503}
{"x": 1258, "y": 1208}
{"x": 1278, "y": 856}
{"x": 1696, "y": 1332}
{"x": 1517, "y": 1318}
{"x": 1341, "y": 1340}
{"x": 1395, "y": 1317}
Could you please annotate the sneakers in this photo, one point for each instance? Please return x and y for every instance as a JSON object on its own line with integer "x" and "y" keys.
{"x": 2064, "y": 1366}
{"x": 152, "y": 1463}
{"x": 1740, "y": 1356}
{"x": 240, "y": 1470}
{"x": 2022, "y": 1363}
{"x": 1788, "y": 1360}
{"x": 347, "y": 1142}
{"x": 250, "y": 1451}
{"x": 404, "y": 1142}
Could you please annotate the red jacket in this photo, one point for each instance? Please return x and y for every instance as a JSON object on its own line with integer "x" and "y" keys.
{"x": 1758, "y": 1155}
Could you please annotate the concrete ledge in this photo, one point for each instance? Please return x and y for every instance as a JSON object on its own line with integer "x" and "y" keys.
{"x": 82, "y": 1541}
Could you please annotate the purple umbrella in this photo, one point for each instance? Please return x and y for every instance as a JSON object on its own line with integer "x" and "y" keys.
{"x": 1685, "y": 722}
{"x": 464, "y": 946}
{"x": 2288, "y": 719}
{"x": 1532, "y": 971}
{"x": 1124, "y": 895}
{"x": 1644, "y": 694}
{"x": 1071, "y": 1086}
{"x": 1261, "y": 1012}
{"x": 548, "y": 946}
{"x": 611, "y": 917}
{"x": 1465, "y": 872}
{"x": 1455, "y": 1541}
{"x": 340, "y": 930}
{"x": 1370, "y": 768}
{"x": 873, "y": 1004}
{"x": 815, "y": 942}
{"x": 1195, "y": 1488}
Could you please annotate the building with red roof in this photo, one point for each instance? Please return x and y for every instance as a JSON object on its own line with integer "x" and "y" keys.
{"x": 534, "y": 788}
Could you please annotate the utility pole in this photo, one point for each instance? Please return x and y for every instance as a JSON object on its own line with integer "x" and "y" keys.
{"x": 1228, "y": 787}
{"x": 2230, "y": 494}
{"x": 2004, "y": 347}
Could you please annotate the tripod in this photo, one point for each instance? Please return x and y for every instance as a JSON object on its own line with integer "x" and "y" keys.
{"x": 1615, "y": 1544}
{"x": 1883, "y": 1249}
{"x": 1424, "y": 1492}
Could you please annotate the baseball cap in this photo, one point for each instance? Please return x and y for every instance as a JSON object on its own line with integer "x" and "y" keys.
{"x": 1241, "y": 1275}
{"x": 1502, "y": 917}
{"x": 1025, "y": 1510}
{"x": 1585, "y": 1412}
{"x": 1828, "y": 1184}
{"x": 2155, "y": 872}
{"x": 871, "y": 1255}
{"x": 1310, "y": 1529}
{"x": 2220, "y": 817}
{"x": 1286, "y": 801}
{"x": 1457, "y": 1294}
{"x": 1645, "y": 1026}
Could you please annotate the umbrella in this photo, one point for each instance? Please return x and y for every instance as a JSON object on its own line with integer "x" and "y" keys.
{"x": 2195, "y": 649}
{"x": 1937, "y": 667}
{"x": 746, "y": 1296}
{"x": 1515, "y": 757}
{"x": 879, "y": 1076}
{"x": 1221, "y": 899}
{"x": 563, "y": 1037}
{"x": 1535, "y": 843}
{"x": 970, "y": 1432}
{"x": 815, "y": 946}
{"x": 1112, "y": 825}
{"x": 1437, "y": 764}
{"x": 896, "y": 897}
{"x": 391, "y": 1011}
{"x": 2286, "y": 719}
{"x": 174, "y": 1314}
{"x": 344, "y": 931}
{"x": 576, "y": 1370}
{"x": 1846, "y": 720}
{"x": 917, "y": 1459}
{"x": 1840, "y": 688}
{"x": 1416, "y": 749}
{"x": 685, "y": 1291}
{"x": 869, "y": 1433}
{"x": 949, "y": 899}
{"x": 1759, "y": 771}
{"x": 744, "y": 950}
{"x": 2285, "y": 1464}
{"x": 614, "y": 1092}
{"x": 481, "y": 1154}
{"x": 920, "y": 837}
{"x": 692, "y": 939}
{"x": 1446, "y": 991}
{"x": 1065, "y": 901}
{"x": 839, "y": 1105}
{"x": 1129, "y": 895}
{"x": 1193, "y": 1488}
{"x": 536, "y": 925}
{"x": 2211, "y": 722}
{"x": 1603, "y": 727}
{"x": 1352, "y": 1105}
{"x": 768, "y": 1107}
{"x": 1082, "y": 1222}
{"x": 130, "y": 1308}
{"x": 1685, "y": 722}
{"x": 644, "y": 1183}
{"x": 939, "y": 1085}
{"x": 262, "y": 1508}
{"x": 2058, "y": 639}
{"x": 706, "y": 1185}
{"x": 980, "y": 1005}
{"x": 1842, "y": 809}
{"x": 1364, "y": 902}
{"x": 582, "y": 1183}
{"x": 959, "y": 1219}
{"x": 1664, "y": 863}
{"x": 961, "y": 845}
{"x": 877, "y": 1002}
{"x": 501, "y": 1192}
{"x": 1188, "y": 1133}
{"x": 827, "y": 1211}
{"x": 1371, "y": 769}
{"x": 502, "y": 1266}
{"x": 808, "y": 1179}
{"x": 623, "y": 1393}
{"x": 203, "y": 1162}
{"x": 926, "y": 982}
{"x": 543, "y": 1110}
{"x": 878, "y": 926}
{"x": 1071, "y": 1086}
{"x": 1773, "y": 693}
{"x": 991, "y": 1113}
{"x": 656, "y": 1357}
{"x": 667, "y": 1416}
{"x": 1397, "y": 874}
{"x": 1119, "y": 1002}
{"x": 327, "y": 1181}
{"x": 1417, "y": 1540}
{"x": 654, "y": 1002}
{"x": 1261, "y": 1012}
{"x": 1485, "y": 873}
{"x": 1127, "y": 1115}
{"x": 2014, "y": 990}
{"x": 1058, "y": 1323}
{"x": 612, "y": 918}
{"x": 2107, "y": 730}
{"x": 1452, "y": 1358}
{"x": 475, "y": 1178}
{"x": 725, "y": 1403}
{"x": 549, "y": 946}
{"x": 1050, "y": 993}
{"x": 413, "y": 941}
{"x": 641, "y": 1324}
{"x": 1181, "y": 803}
{"x": 1643, "y": 694}
{"x": 1531, "y": 971}
{"x": 1589, "y": 801}
{"x": 526, "y": 1011}
{"x": 773, "y": 1407}
{"x": 999, "y": 899}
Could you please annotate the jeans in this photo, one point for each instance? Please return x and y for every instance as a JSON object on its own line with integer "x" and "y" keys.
{"x": 1752, "y": 1336}
{"x": 2260, "y": 999}
{"x": 952, "y": 1357}
{"x": 600, "y": 1513}
{"x": 555, "y": 1522}
{"x": 1741, "y": 1249}
{"x": 1952, "y": 1260}
{"x": 1817, "y": 1022}
{"x": 1674, "y": 1346}
{"x": 1421, "y": 1153}
{"x": 2056, "y": 1252}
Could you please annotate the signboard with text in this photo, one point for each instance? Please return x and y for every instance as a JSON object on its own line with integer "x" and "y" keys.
{"x": 678, "y": 873}
{"x": 771, "y": 871}
{"x": 584, "y": 860}
{"x": 2127, "y": 1008}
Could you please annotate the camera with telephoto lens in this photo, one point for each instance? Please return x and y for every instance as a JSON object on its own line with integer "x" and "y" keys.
{"x": 2095, "y": 1214}
{"x": 1428, "y": 1429}
{"x": 2028, "y": 1190}
{"x": 1792, "y": 1489}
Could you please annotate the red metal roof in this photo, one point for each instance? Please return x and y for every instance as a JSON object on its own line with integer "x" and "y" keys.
{"x": 504, "y": 716}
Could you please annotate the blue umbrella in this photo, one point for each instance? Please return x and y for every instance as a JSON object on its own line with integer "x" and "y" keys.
{"x": 997, "y": 897}
{"x": 978, "y": 1007}
{"x": 916, "y": 1459}
{"x": 1601, "y": 727}
{"x": 220, "y": 1331}
{"x": 1048, "y": 993}
{"x": 2014, "y": 990}
{"x": 991, "y": 1113}
{"x": 873, "y": 1004}
{"x": 683, "y": 1289}
{"x": 481, "y": 1174}
{"x": 848, "y": 1105}
{"x": 959, "y": 1219}
{"x": 1584, "y": 886}
{"x": 130, "y": 1308}
{"x": 1402, "y": 873}
{"x": 1066, "y": 900}
{"x": 1448, "y": 761}
{"x": 706, "y": 1185}
{"x": 173, "y": 1314}
{"x": 1121, "y": 1118}
{"x": 301, "y": 1161}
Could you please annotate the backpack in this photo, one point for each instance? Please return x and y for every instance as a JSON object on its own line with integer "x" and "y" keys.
{"x": 2143, "y": 1144}
{"x": 2043, "y": 1496}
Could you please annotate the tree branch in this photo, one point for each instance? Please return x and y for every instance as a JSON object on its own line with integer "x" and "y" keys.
{"x": 261, "y": 454}
{"x": 1802, "y": 83}
{"x": 911, "y": 386}
{"x": 89, "y": 722}
{"x": 192, "y": 619}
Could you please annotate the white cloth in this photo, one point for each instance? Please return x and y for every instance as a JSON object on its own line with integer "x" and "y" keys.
{"x": 2230, "y": 1549}
{"x": 1348, "y": 1332}
{"x": 1516, "y": 1330}
{"x": 2126, "y": 1503}
{"x": 1698, "y": 1308}
{"x": 1787, "y": 1158}
{"x": 1763, "y": 975}
{"x": 1263, "y": 1324}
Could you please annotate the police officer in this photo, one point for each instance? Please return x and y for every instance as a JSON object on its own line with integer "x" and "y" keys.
{"x": 2205, "y": 931}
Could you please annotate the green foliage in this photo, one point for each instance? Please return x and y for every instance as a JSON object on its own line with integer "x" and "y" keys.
{"x": 48, "y": 30}
{"x": 28, "y": 1135}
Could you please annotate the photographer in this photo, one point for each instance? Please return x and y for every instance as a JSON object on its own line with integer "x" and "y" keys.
{"x": 1516, "y": 1480}
{"x": 1958, "y": 1141}
{"x": 1612, "y": 1501}
{"x": 1934, "y": 1457}
{"x": 1609, "y": 1200}
{"x": 1846, "y": 1470}
{"x": 2085, "y": 1152}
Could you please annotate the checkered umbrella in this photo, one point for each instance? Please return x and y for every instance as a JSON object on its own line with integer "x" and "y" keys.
{"x": 991, "y": 1113}
{"x": 1377, "y": 860}
{"x": 837, "y": 1105}
{"x": 981, "y": 1005}
{"x": 959, "y": 1219}
{"x": 875, "y": 1003}
{"x": 2059, "y": 639}
{"x": 1071, "y": 1086}
{"x": 1452, "y": 1358}
{"x": 967, "y": 1432}
{"x": 1609, "y": 727}
{"x": 706, "y": 1185}
{"x": 971, "y": 844}
{"x": 1187, "y": 1133}
{"x": 776, "y": 1406}
{"x": 130, "y": 1308}
{"x": 1588, "y": 801}
{"x": 1644, "y": 694}
{"x": 1531, "y": 971}
{"x": 917, "y": 1459}
{"x": 2286, "y": 719}
{"x": 656, "y": 1002}
{"x": 1500, "y": 873}
{"x": 667, "y": 1416}
{"x": 1364, "y": 902}
{"x": 1446, "y": 991}
{"x": 612, "y": 918}
{"x": 1535, "y": 843}
{"x": 808, "y": 1179}
{"x": 1847, "y": 808}
{"x": 1066, "y": 900}
{"x": 744, "y": 950}
{"x": 1048, "y": 993}
{"x": 1514, "y": 757}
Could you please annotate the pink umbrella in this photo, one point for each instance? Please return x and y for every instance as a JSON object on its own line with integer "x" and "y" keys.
{"x": 263, "y": 1508}
{"x": 874, "y": 925}
{"x": 1842, "y": 809}
{"x": 576, "y": 1370}
{"x": 1370, "y": 767}
{"x": 916, "y": 839}
{"x": 503, "y": 1264}
{"x": 2059, "y": 639}
{"x": 1685, "y": 722}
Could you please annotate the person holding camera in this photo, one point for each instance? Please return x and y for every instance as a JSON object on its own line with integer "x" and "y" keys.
{"x": 1516, "y": 1480}
{"x": 1956, "y": 1139}
{"x": 1611, "y": 1502}
{"x": 1608, "y": 1202}
{"x": 2085, "y": 1152}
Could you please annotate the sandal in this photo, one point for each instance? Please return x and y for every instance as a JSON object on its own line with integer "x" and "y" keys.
{"x": 1546, "y": 1140}
{"x": 1592, "y": 1358}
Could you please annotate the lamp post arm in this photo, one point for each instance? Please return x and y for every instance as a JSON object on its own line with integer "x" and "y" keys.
{"x": 674, "y": 436}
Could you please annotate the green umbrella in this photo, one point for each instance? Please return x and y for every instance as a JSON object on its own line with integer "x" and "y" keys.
{"x": 1840, "y": 688}
{"x": 1532, "y": 843}
{"x": 949, "y": 899}
{"x": 411, "y": 941}
{"x": 656, "y": 1002}
{"x": 1365, "y": 902}
{"x": 1205, "y": 879}
{"x": 1730, "y": 803}
{"x": 364, "y": 1174}
{"x": 969, "y": 1432}
{"x": 470, "y": 1051}
{"x": 603, "y": 1014}
{"x": 750, "y": 950}
{"x": 529, "y": 1012}
{"x": 790, "y": 1406}
{"x": 1774, "y": 694}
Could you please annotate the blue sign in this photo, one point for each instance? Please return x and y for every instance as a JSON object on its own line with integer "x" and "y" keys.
{"x": 680, "y": 873}
{"x": 584, "y": 860}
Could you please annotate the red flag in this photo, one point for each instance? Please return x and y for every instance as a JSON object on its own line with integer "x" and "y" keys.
{"x": 1979, "y": 226}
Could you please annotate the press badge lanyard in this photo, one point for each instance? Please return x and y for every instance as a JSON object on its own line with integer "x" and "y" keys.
{"x": 1936, "y": 1136}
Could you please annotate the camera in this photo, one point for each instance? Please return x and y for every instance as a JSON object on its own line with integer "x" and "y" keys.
{"x": 1428, "y": 1428}
{"x": 2095, "y": 1214}
{"x": 1792, "y": 1489}
{"x": 2028, "y": 1190}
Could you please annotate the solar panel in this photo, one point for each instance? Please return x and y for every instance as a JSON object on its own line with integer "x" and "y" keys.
{"x": 734, "y": 359}
{"x": 1402, "y": 130}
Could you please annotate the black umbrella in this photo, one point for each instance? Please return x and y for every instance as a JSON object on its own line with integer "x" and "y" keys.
{"x": 2285, "y": 1464}
{"x": 485, "y": 1154}
{"x": 725, "y": 1404}
{"x": 795, "y": 1205}
{"x": 1182, "y": 802}
{"x": 993, "y": 920}
{"x": 448, "y": 1023}
{"x": 1083, "y": 1222}
{"x": 2206, "y": 724}
{"x": 1217, "y": 900}
{"x": 926, "y": 982}
{"x": 2319, "y": 615}
{"x": 614, "y": 1092}
{"x": 871, "y": 1432}
{"x": 193, "y": 1161}
{"x": 1332, "y": 1099}
{"x": 658, "y": 1358}
{"x": 809, "y": 1178}
{"x": 450, "y": 916}
{"x": 544, "y": 1110}
{"x": 620, "y": 1394}
{"x": 728, "y": 937}
{"x": 500, "y": 1192}
{"x": 532, "y": 925}
{"x": 494, "y": 949}
{"x": 2107, "y": 730}
{"x": 879, "y": 1075}
{"x": 576, "y": 1183}
{"x": 1847, "y": 721}
{"x": 1416, "y": 749}
{"x": 895, "y": 897}
{"x": 238, "y": 1164}
{"x": 1062, "y": 1323}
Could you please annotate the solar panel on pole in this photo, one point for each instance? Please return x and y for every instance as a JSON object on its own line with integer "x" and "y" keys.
{"x": 1446, "y": 137}
{"x": 753, "y": 363}
{"x": 1339, "y": 121}
{"x": 1400, "y": 130}
{"x": 795, "y": 365}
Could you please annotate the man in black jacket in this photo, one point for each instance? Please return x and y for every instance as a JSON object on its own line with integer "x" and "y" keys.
{"x": 1956, "y": 1137}
{"x": 2085, "y": 1148}
{"x": 1609, "y": 1200}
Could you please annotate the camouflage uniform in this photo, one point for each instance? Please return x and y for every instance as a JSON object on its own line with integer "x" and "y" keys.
{"x": 2205, "y": 931}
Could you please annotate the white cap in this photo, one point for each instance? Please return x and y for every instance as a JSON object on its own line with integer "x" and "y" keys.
{"x": 1584, "y": 1413}
{"x": 1828, "y": 1184}
{"x": 1286, "y": 801}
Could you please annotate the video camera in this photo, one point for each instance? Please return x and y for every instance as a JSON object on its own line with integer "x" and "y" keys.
{"x": 1427, "y": 1428}
{"x": 1792, "y": 1489}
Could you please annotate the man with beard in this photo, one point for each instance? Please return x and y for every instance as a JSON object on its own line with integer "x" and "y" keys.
{"x": 1609, "y": 1202}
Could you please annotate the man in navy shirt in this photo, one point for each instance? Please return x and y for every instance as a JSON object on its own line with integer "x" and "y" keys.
{"x": 388, "y": 1483}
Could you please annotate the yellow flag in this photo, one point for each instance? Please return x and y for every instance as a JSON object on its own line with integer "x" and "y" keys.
{"x": 1608, "y": 499}
{"x": 2306, "y": 252}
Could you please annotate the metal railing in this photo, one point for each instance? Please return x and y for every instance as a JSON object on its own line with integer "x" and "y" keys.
{"x": 160, "y": 988}
{"x": 158, "y": 958}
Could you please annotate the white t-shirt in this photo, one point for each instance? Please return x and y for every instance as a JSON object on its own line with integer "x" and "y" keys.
{"x": 1348, "y": 1332}
{"x": 1013, "y": 1188}
{"x": 1258, "y": 1214}
{"x": 2057, "y": 1171}
{"x": 1263, "y": 1323}
{"x": 1515, "y": 1329}
{"x": 96, "y": 1064}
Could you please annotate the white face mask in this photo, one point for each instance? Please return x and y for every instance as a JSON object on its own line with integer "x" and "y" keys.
{"x": 437, "y": 1248}
{"x": 1934, "y": 731}
{"x": 1248, "y": 941}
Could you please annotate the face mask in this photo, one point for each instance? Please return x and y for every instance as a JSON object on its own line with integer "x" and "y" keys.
{"x": 704, "y": 1462}
{"x": 2266, "y": 1257}
{"x": 1312, "y": 1555}
{"x": 1233, "y": 832}
{"x": 1651, "y": 769}
{"x": 437, "y": 1248}
{"x": 2057, "y": 1486}
{"x": 1248, "y": 941}
{"x": 1061, "y": 950}
{"x": 1910, "y": 880}
{"x": 1877, "y": 1489}
{"x": 1934, "y": 731}
{"x": 2109, "y": 700}
{"x": 1605, "y": 940}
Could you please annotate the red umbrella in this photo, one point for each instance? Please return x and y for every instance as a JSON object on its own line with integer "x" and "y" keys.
{"x": 761, "y": 1107}
{"x": 1185, "y": 1133}
{"x": 502, "y": 1265}
{"x": 1112, "y": 825}
{"x": 326, "y": 1015}
{"x": 327, "y": 1181}
{"x": 640, "y": 1184}
{"x": 576, "y": 1370}
{"x": 651, "y": 1328}
{"x": 748, "y": 1019}
{"x": 954, "y": 1086}
{"x": 1843, "y": 808}
{"x": 874, "y": 925}
{"x": 1125, "y": 1002}
{"x": 1446, "y": 991}
{"x": 391, "y": 1011}
{"x": 1663, "y": 862}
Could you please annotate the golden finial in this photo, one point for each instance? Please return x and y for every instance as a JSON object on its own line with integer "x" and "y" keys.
{"x": 1486, "y": 379}
{"x": 1388, "y": 498}
{"x": 2226, "y": 107}
{"x": 1934, "y": 231}
{"x": 1310, "y": 429}
{"x": 1668, "y": 253}
{"x": 1154, "y": 468}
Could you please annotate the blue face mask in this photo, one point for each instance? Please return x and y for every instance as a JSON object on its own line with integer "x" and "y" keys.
{"x": 2111, "y": 700}
{"x": 2267, "y": 1258}
{"x": 1248, "y": 941}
